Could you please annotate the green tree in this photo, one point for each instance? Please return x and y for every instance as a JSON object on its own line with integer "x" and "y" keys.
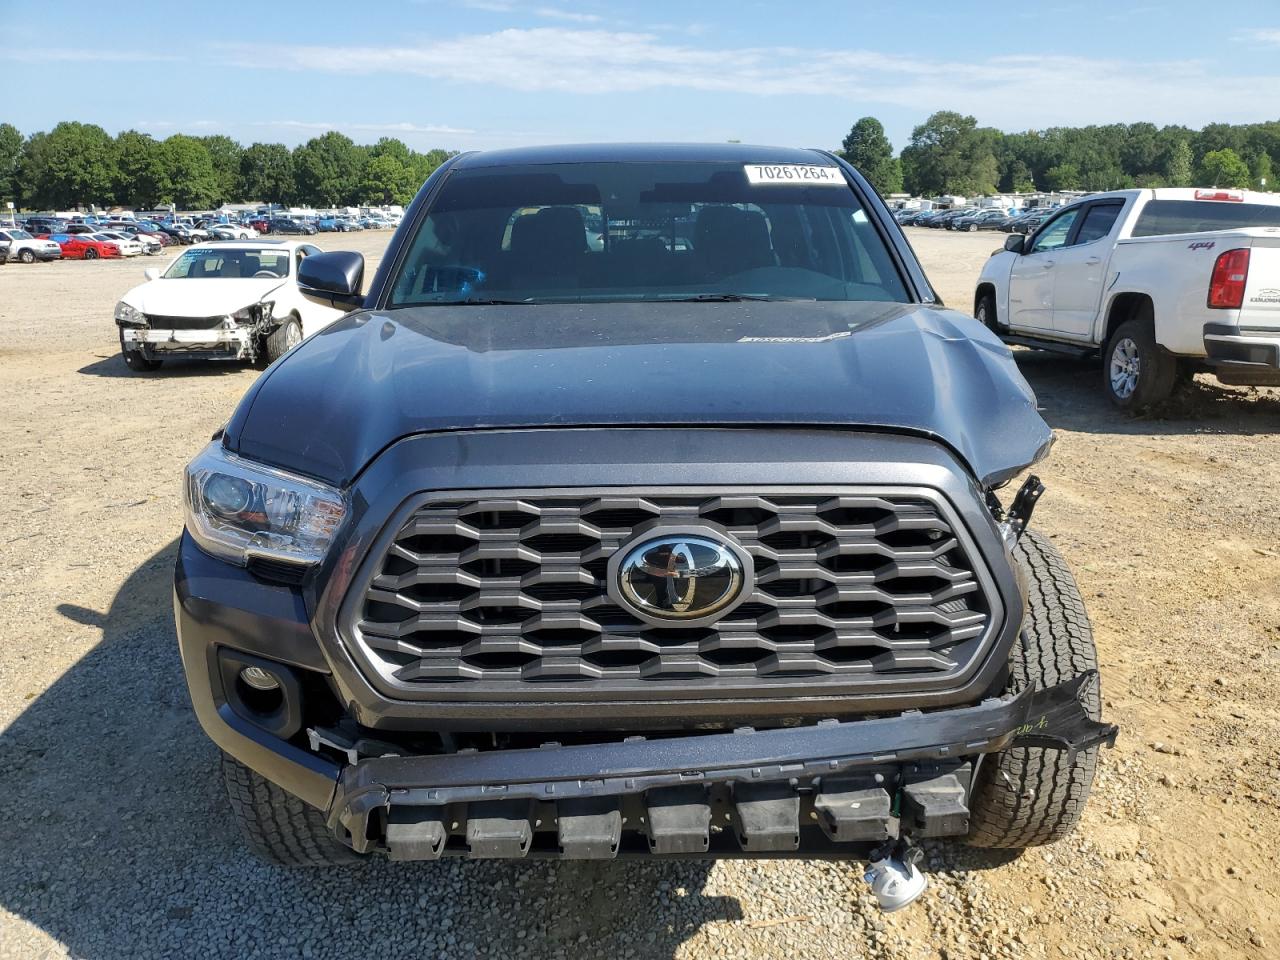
{"x": 224, "y": 154}
{"x": 1224, "y": 168}
{"x": 10, "y": 155}
{"x": 70, "y": 166}
{"x": 869, "y": 150}
{"x": 387, "y": 179}
{"x": 949, "y": 154}
{"x": 1178, "y": 164}
{"x": 328, "y": 169}
{"x": 1261, "y": 170}
{"x": 142, "y": 179}
{"x": 266, "y": 173}
{"x": 1065, "y": 176}
{"x": 190, "y": 180}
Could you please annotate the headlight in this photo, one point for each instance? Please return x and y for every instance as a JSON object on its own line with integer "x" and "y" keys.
{"x": 237, "y": 509}
{"x": 256, "y": 313}
{"x": 128, "y": 314}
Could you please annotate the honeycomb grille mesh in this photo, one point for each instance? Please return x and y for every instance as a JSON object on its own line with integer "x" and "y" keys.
{"x": 510, "y": 591}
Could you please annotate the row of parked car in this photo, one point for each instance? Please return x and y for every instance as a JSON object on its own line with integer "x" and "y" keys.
{"x": 972, "y": 219}
{"x": 41, "y": 238}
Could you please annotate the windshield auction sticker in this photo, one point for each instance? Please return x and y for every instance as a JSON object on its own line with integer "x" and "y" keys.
{"x": 798, "y": 173}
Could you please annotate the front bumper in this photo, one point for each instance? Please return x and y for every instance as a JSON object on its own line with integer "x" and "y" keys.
{"x": 831, "y": 789}
{"x": 228, "y": 341}
{"x": 820, "y": 789}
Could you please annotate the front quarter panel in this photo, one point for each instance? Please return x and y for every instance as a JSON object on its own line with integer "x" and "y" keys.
{"x": 996, "y": 272}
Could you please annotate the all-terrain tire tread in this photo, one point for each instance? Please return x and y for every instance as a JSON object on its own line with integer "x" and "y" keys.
{"x": 279, "y": 827}
{"x": 1028, "y": 796}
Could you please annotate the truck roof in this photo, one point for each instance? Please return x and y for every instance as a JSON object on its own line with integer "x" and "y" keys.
{"x": 637, "y": 152}
{"x": 1222, "y": 194}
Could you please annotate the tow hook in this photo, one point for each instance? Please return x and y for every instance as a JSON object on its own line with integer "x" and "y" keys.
{"x": 892, "y": 873}
{"x": 1024, "y": 504}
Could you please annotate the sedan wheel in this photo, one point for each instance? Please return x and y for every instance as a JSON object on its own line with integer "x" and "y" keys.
{"x": 26, "y": 256}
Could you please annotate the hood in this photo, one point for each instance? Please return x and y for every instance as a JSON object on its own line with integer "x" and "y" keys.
{"x": 199, "y": 298}
{"x": 372, "y": 378}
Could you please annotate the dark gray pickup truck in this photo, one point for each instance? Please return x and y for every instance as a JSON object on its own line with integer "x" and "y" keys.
{"x": 645, "y": 504}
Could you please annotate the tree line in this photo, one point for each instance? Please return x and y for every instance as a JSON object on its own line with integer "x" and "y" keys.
{"x": 950, "y": 154}
{"x": 78, "y": 164}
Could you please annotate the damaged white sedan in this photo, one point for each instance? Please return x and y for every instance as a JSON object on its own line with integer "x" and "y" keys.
{"x": 221, "y": 301}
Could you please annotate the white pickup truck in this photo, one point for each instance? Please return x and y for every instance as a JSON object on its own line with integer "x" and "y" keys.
{"x": 1162, "y": 283}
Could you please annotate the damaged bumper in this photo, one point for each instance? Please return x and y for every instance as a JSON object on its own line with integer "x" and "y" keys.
{"x": 811, "y": 791}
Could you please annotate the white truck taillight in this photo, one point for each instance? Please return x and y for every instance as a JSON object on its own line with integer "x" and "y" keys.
{"x": 1230, "y": 273}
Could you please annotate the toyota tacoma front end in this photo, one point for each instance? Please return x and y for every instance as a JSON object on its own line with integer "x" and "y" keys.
{"x": 646, "y": 505}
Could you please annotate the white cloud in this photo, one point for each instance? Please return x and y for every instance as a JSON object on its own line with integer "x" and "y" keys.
{"x": 569, "y": 16}
{"x": 1268, "y": 36}
{"x": 1016, "y": 91}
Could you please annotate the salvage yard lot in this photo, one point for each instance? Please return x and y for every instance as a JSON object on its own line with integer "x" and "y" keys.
{"x": 115, "y": 841}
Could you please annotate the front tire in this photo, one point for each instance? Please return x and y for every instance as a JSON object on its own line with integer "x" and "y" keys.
{"x": 91, "y": 254}
{"x": 1028, "y": 796}
{"x": 286, "y": 336}
{"x": 1136, "y": 372}
{"x": 26, "y": 256}
{"x": 137, "y": 360}
{"x": 276, "y": 825}
{"x": 985, "y": 312}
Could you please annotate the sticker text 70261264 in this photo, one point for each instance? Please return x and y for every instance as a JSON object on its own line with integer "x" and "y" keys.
{"x": 803, "y": 174}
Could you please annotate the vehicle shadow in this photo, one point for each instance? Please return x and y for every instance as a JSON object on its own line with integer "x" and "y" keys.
{"x": 117, "y": 841}
{"x": 1071, "y": 398}
{"x": 114, "y": 366}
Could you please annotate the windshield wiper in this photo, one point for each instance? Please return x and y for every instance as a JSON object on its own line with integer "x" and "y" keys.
{"x": 471, "y": 302}
{"x": 726, "y": 298}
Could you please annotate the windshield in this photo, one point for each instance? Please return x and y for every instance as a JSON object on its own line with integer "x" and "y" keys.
{"x": 644, "y": 231}
{"x": 19, "y": 235}
{"x": 220, "y": 264}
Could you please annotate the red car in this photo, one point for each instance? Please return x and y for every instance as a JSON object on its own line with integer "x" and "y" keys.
{"x": 79, "y": 247}
{"x": 261, "y": 224}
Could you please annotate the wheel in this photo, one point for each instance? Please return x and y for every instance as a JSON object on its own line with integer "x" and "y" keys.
{"x": 985, "y": 312}
{"x": 90, "y": 253}
{"x": 137, "y": 360}
{"x": 973, "y": 228}
{"x": 27, "y": 256}
{"x": 1136, "y": 372}
{"x": 1028, "y": 796}
{"x": 286, "y": 336}
{"x": 276, "y": 825}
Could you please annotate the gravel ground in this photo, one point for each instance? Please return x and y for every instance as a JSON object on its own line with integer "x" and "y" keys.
{"x": 114, "y": 838}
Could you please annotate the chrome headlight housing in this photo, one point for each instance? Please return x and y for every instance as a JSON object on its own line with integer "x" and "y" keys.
{"x": 237, "y": 510}
{"x": 128, "y": 314}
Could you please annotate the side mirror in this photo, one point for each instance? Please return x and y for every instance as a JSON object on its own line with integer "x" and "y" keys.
{"x": 151, "y": 273}
{"x": 1015, "y": 243}
{"x": 334, "y": 278}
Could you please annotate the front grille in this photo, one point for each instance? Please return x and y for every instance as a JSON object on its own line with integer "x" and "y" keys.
{"x": 158, "y": 322}
{"x": 506, "y": 592}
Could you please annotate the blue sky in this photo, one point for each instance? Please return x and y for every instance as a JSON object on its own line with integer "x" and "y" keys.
{"x": 466, "y": 74}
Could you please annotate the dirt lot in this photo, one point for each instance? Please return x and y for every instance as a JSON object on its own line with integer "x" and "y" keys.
{"x": 114, "y": 841}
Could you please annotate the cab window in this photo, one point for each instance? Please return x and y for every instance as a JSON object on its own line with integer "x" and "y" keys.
{"x": 1055, "y": 233}
{"x": 1098, "y": 221}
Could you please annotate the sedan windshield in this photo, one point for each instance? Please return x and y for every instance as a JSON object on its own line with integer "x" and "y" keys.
{"x": 19, "y": 235}
{"x": 220, "y": 264}
{"x": 596, "y": 232}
